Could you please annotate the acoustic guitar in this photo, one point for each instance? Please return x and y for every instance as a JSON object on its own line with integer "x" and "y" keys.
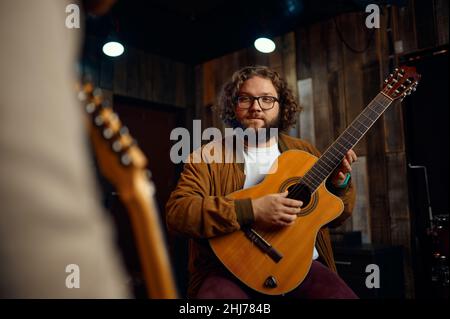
{"x": 124, "y": 165}
{"x": 275, "y": 261}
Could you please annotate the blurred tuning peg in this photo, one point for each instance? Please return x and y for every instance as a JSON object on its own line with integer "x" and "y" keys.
{"x": 125, "y": 159}
{"x": 108, "y": 133}
{"x": 99, "y": 120}
{"x": 124, "y": 131}
{"x": 117, "y": 146}
{"x": 90, "y": 108}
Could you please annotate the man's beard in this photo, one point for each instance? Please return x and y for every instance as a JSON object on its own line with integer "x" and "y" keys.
{"x": 263, "y": 134}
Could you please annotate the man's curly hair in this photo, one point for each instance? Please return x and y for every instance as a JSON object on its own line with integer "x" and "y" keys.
{"x": 227, "y": 99}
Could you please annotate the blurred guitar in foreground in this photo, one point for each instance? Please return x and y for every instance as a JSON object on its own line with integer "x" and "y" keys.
{"x": 124, "y": 165}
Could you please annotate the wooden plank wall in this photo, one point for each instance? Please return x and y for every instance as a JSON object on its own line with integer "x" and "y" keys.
{"x": 337, "y": 83}
{"x": 141, "y": 75}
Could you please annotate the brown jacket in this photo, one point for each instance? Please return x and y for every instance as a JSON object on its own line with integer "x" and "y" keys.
{"x": 199, "y": 209}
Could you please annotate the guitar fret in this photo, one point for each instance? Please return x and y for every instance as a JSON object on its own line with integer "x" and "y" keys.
{"x": 331, "y": 158}
{"x": 320, "y": 162}
{"x": 316, "y": 174}
{"x": 313, "y": 183}
{"x": 370, "y": 109}
{"x": 328, "y": 165}
{"x": 332, "y": 155}
{"x": 365, "y": 127}
{"x": 348, "y": 132}
{"x": 370, "y": 120}
{"x": 307, "y": 182}
{"x": 344, "y": 146}
{"x": 356, "y": 129}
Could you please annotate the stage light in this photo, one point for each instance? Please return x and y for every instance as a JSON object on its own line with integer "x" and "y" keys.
{"x": 113, "y": 49}
{"x": 264, "y": 45}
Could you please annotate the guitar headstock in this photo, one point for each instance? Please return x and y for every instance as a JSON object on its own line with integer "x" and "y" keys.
{"x": 402, "y": 82}
{"x": 119, "y": 158}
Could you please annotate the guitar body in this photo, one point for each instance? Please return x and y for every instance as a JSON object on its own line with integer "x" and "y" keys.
{"x": 295, "y": 242}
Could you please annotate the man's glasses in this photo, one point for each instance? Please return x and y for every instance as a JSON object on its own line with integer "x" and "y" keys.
{"x": 265, "y": 102}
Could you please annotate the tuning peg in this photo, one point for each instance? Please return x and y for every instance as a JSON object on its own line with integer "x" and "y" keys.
{"x": 391, "y": 75}
{"x": 117, "y": 146}
{"x": 396, "y": 69}
{"x": 99, "y": 120}
{"x": 408, "y": 81}
{"x": 90, "y": 108}
{"x": 125, "y": 159}
{"x": 108, "y": 133}
{"x": 124, "y": 130}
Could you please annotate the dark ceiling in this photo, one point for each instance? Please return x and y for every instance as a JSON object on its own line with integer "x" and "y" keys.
{"x": 197, "y": 31}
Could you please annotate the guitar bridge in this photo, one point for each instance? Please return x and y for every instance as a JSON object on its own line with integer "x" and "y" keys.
{"x": 262, "y": 244}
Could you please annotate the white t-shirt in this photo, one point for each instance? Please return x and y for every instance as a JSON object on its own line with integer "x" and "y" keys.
{"x": 258, "y": 161}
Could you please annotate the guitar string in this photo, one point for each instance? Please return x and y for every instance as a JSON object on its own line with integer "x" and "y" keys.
{"x": 299, "y": 187}
{"x": 378, "y": 113}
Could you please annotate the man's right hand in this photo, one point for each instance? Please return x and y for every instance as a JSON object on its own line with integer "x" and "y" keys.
{"x": 275, "y": 210}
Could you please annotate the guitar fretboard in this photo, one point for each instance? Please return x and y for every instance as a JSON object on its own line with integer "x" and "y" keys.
{"x": 333, "y": 156}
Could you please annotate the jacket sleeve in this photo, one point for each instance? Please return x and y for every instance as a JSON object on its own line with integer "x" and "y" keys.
{"x": 192, "y": 212}
{"x": 347, "y": 195}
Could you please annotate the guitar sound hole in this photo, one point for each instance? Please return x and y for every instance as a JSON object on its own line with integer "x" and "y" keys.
{"x": 300, "y": 192}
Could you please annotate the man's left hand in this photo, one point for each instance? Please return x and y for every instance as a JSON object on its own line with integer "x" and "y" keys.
{"x": 340, "y": 174}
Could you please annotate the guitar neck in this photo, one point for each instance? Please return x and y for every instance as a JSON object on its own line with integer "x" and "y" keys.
{"x": 150, "y": 240}
{"x": 333, "y": 156}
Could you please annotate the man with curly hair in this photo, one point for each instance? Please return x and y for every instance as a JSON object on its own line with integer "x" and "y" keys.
{"x": 255, "y": 99}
